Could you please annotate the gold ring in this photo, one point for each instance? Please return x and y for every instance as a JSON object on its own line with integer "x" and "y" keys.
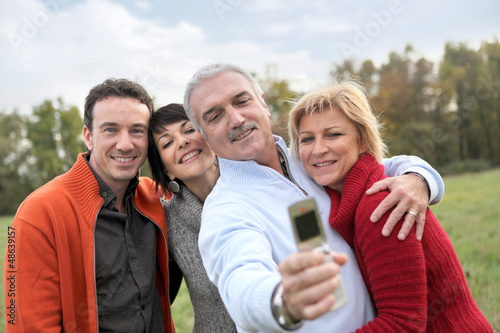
{"x": 412, "y": 213}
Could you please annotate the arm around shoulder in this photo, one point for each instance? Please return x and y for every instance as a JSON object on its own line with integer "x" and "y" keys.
{"x": 403, "y": 164}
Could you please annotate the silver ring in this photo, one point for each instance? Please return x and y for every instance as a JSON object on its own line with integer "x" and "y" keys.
{"x": 412, "y": 213}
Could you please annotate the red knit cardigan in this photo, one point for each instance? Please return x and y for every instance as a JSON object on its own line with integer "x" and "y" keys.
{"x": 415, "y": 286}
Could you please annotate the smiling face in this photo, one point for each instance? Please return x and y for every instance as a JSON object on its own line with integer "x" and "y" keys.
{"x": 184, "y": 151}
{"x": 119, "y": 139}
{"x": 328, "y": 147}
{"x": 236, "y": 123}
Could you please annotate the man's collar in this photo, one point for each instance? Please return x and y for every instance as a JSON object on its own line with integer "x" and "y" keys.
{"x": 283, "y": 161}
{"x": 105, "y": 191}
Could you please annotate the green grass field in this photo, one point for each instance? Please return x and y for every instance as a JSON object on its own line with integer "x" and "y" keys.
{"x": 470, "y": 214}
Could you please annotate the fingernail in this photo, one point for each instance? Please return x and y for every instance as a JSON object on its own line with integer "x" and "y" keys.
{"x": 385, "y": 232}
{"x": 373, "y": 218}
{"x": 401, "y": 236}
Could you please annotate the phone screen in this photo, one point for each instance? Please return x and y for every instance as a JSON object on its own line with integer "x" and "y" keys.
{"x": 307, "y": 226}
{"x": 308, "y": 231}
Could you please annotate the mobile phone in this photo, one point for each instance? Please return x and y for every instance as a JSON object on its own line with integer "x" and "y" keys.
{"x": 309, "y": 235}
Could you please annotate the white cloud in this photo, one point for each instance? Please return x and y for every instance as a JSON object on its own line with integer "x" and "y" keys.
{"x": 83, "y": 44}
{"x": 65, "y": 46}
{"x": 143, "y": 5}
{"x": 307, "y": 25}
{"x": 297, "y": 6}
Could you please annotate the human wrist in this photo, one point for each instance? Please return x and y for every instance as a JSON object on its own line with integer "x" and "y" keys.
{"x": 424, "y": 180}
{"x": 280, "y": 313}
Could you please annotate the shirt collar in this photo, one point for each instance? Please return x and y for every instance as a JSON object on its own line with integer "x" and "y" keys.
{"x": 284, "y": 164}
{"x": 105, "y": 191}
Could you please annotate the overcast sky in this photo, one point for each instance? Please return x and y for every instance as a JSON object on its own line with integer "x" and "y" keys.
{"x": 52, "y": 48}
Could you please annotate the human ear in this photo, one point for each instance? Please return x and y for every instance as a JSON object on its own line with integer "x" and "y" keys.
{"x": 87, "y": 138}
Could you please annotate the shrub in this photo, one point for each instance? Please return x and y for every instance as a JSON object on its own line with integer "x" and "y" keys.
{"x": 471, "y": 165}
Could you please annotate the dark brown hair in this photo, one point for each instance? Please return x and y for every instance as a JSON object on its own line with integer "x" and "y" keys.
{"x": 166, "y": 115}
{"x": 114, "y": 87}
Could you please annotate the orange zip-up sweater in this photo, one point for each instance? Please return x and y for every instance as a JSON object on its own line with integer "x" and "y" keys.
{"x": 49, "y": 271}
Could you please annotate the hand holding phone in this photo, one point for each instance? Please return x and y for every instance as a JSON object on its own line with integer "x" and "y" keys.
{"x": 309, "y": 235}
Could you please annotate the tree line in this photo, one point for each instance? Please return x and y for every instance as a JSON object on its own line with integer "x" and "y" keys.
{"x": 449, "y": 115}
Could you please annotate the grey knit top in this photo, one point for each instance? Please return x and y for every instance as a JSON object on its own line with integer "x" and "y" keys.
{"x": 183, "y": 213}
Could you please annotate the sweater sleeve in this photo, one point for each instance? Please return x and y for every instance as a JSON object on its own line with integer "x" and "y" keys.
{"x": 399, "y": 165}
{"x": 394, "y": 272}
{"x": 32, "y": 293}
{"x": 238, "y": 258}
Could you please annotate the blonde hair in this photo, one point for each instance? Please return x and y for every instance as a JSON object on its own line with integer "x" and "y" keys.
{"x": 349, "y": 97}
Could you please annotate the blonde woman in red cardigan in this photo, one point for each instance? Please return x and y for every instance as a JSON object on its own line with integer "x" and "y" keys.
{"x": 416, "y": 286}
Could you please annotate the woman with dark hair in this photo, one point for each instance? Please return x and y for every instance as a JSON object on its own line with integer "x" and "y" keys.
{"x": 185, "y": 168}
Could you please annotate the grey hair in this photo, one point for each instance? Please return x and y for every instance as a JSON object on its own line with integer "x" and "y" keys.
{"x": 208, "y": 72}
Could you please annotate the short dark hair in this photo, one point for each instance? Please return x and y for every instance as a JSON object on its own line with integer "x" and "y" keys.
{"x": 166, "y": 115}
{"x": 114, "y": 87}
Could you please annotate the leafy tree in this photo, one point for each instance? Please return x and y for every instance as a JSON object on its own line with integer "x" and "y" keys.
{"x": 279, "y": 99}
{"x": 395, "y": 93}
{"x": 13, "y": 185}
{"x": 488, "y": 93}
{"x": 450, "y": 115}
{"x": 421, "y": 81}
{"x": 463, "y": 73}
{"x": 70, "y": 133}
{"x": 366, "y": 74}
{"x": 55, "y": 137}
{"x": 400, "y": 89}
{"x": 345, "y": 70}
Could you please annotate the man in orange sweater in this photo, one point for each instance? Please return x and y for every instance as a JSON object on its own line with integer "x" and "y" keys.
{"x": 87, "y": 252}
